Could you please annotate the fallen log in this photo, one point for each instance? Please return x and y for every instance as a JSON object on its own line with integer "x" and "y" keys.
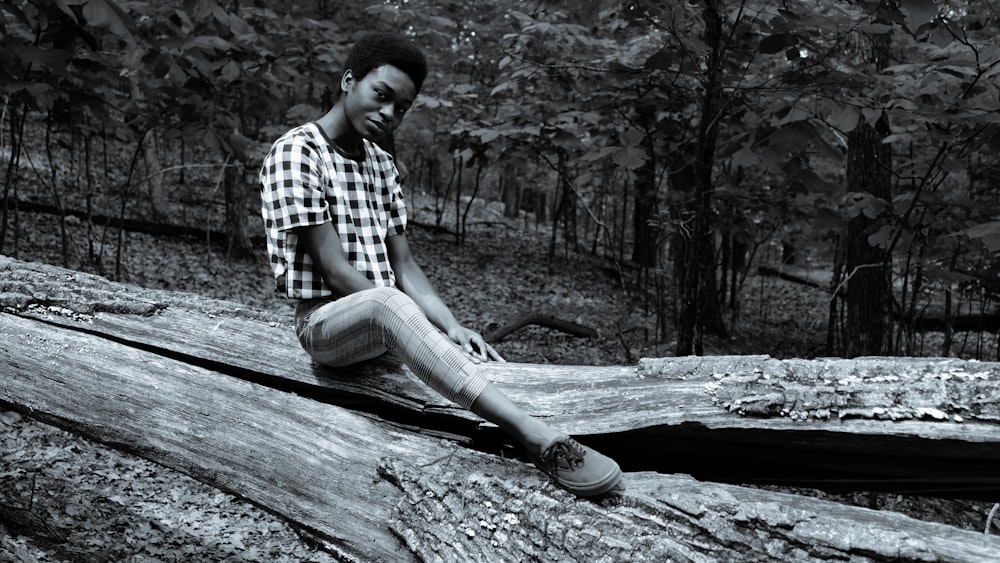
{"x": 543, "y": 320}
{"x": 785, "y": 274}
{"x": 984, "y": 322}
{"x": 371, "y": 491}
{"x": 927, "y": 426}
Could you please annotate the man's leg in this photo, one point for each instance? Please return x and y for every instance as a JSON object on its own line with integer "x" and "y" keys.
{"x": 369, "y": 323}
{"x": 366, "y": 324}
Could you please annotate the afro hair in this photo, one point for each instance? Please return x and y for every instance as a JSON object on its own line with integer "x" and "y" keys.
{"x": 376, "y": 49}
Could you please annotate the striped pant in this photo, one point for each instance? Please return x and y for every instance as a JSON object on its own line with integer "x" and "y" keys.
{"x": 367, "y": 324}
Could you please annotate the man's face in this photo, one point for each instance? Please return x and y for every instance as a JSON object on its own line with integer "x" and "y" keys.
{"x": 376, "y": 104}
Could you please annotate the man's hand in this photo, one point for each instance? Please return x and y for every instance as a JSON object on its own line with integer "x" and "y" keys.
{"x": 474, "y": 345}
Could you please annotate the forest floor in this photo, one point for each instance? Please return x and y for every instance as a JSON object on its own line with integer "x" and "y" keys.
{"x": 64, "y": 498}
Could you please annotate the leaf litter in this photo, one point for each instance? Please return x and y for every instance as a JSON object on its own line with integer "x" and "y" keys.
{"x": 105, "y": 505}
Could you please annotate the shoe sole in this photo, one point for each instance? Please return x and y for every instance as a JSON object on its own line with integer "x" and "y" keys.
{"x": 609, "y": 482}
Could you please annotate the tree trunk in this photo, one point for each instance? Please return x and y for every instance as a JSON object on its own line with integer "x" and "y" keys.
{"x": 868, "y": 285}
{"x": 700, "y": 311}
{"x": 154, "y": 176}
{"x": 645, "y": 215}
{"x": 868, "y": 267}
{"x": 166, "y": 375}
{"x": 510, "y": 187}
{"x": 566, "y": 206}
{"x": 237, "y": 218}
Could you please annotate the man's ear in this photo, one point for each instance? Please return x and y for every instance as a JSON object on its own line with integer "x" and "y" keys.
{"x": 346, "y": 81}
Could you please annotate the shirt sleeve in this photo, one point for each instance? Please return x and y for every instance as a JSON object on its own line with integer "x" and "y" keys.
{"x": 293, "y": 185}
{"x": 397, "y": 205}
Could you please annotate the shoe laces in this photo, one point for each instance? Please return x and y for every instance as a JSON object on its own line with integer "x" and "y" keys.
{"x": 565, "y": 454}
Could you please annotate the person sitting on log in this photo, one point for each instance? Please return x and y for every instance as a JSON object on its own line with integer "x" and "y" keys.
{"x": 335, "y": 221}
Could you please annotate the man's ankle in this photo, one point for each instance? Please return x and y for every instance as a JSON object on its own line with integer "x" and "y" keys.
{"x": 537, "y": 436}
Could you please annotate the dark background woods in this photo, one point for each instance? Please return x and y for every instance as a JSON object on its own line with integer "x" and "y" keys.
{"x": 681, "y": 145}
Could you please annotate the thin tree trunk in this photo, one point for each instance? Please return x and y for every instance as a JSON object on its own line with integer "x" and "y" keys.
{"x": 700, "y": 311}
{"x": 54, "y": 186}
{"x": 868, "y": 285}
{"x": 10, "y": 181}
{"x": 647, "y": 199}
{"x": 868, "y": 268}
{"x": 237, "y": 222}
{"x": 150, "y": 155}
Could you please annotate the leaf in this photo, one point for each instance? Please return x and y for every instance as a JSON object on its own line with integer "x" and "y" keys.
{"x": 97, "y": 12}
{"x": 659, "y": 60}
{"x": 773, "y": 43}
{"x": 881, "y": 238}
{"x": 856, "y": 204}
{"x": 64, "y": 8}
{"x": 10, "y": 418}
{"x": 231, "y": 71}
{"x": 745, "y": 157}
{"x": 486, "y": 135}
{"x": 630, "y": 157}
{"x": 846, "y": 119}
{"x": 599, "y": 154}
{"x": 241, "y": 28}
{"x": 501, "y": 87}
{"x": 904, "y": 104}
{"x": 210, "y": 42}
{"x": 51, "y": 58}
{"x": 989, "y": 232}
{"x": 789, "y": 114}
{"x": 918, "y": 12}
{"x": 898, "y": 138}
{"x": 443, "y": 22}
{"x": 120, "y": 22}
{"x": 632, "y": 138}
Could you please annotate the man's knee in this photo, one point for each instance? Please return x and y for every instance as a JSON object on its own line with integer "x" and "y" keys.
{"x": 389, "y": 301}
{"x": 387, "y": 296}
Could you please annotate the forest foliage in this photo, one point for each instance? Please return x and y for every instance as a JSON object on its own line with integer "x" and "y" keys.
{"x": 684, "y": 141}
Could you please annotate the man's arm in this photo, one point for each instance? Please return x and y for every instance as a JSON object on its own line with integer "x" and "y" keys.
{"x": 323, "y": 245}
{"x": 411, "y": 280}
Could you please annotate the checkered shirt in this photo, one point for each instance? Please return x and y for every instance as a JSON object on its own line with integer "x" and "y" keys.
{"x": 304, "y": 181}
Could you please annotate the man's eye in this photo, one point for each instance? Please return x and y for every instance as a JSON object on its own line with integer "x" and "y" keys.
{"x": 401, "y": 110}
{"x": 381, "y": 95}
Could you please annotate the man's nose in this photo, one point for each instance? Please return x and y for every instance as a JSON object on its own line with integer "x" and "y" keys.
{"x": 388, "y": 113}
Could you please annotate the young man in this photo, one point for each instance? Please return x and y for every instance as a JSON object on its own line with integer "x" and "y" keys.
{"x": 336, "y": 236}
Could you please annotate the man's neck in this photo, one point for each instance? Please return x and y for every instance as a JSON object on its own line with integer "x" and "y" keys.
{"x": 341, "y": 133}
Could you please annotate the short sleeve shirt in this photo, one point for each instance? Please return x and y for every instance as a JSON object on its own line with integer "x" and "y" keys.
{"x": 305, "y": 181}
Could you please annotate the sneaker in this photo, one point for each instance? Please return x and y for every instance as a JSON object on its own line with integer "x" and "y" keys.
{"x": 577, "y": 468}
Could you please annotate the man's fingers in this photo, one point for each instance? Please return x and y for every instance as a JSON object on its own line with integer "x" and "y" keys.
{"x": 476, "y": 346}
{"x": 494, "y": 355}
